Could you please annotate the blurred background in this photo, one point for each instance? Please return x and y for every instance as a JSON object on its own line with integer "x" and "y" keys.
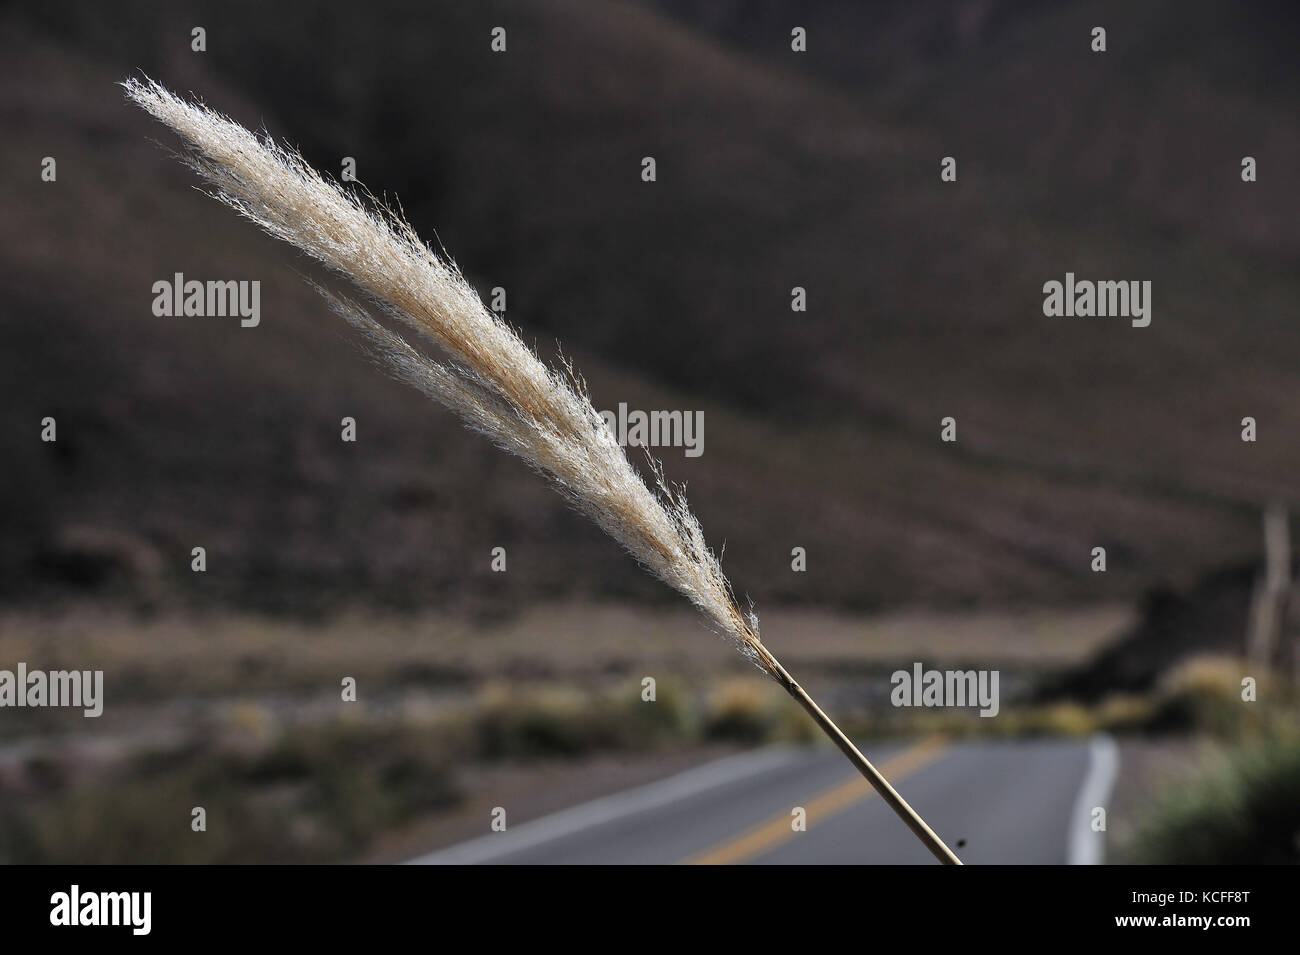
{"x": 775, "y": 169}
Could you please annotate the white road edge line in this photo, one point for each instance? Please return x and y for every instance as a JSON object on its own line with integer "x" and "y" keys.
{"x": 1086, "y": 847}
{"x": 608, "y": 808}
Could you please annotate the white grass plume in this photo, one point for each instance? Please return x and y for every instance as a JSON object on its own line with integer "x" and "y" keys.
{"x": 491, "y": 379}
{"x": 497, "y": 385}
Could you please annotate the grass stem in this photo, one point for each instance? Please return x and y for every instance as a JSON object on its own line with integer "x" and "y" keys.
{"x": 878, "y": 782}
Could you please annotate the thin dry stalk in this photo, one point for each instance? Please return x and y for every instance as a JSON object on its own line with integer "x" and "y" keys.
{"x": 490, "y": 378}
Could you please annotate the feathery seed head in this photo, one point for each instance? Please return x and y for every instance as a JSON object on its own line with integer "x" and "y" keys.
{"x": 490, "y": 378}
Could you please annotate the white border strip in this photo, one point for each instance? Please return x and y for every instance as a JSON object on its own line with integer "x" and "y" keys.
{"x": 608, "y": 808}
{"x": 1086, "y": 847}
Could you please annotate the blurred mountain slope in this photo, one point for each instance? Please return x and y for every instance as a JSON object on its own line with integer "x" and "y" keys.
{"x": 822, "y": 428}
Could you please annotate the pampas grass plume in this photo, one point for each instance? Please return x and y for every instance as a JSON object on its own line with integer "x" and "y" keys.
{"x": 486, "y": 375}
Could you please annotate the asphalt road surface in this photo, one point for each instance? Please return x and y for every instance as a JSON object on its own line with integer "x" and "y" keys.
{"x": 1017, "y": 802}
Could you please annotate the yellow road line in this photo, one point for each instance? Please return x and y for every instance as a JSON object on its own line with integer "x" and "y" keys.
{"x": 768, "y": 835}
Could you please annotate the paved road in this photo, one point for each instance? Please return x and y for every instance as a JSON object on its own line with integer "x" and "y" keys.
{"x": 1024, "y": 801}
